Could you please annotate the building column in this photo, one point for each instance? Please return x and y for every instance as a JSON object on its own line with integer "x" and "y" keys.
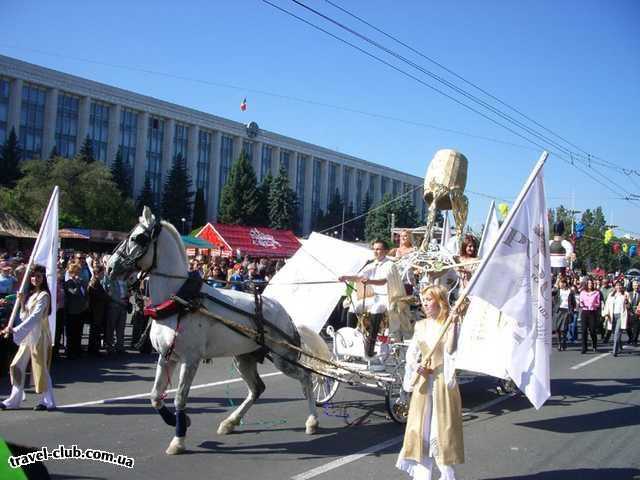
{"x": 214, "y": 178}
{"x": 50, "y": 118}
{"x": 380, "y": 183}
{"x": 84, "y": 114}
{"x": 256, "y": 161}
{"x": 113, "y": 143}
{"x": 365, "y": 186}
{"x": 167, "y": 147}
{"x": 140, "y": 167}
{"x": 15, "y": 106}
{"x": 352, "y": 190}
{"x": 275, "y": 161}
{"x": 308, "y": 193}
{"x": 324, "y": 185}
{"x": 192, "y": 152}
{"x": 293, "y": 170}
{"x": 237, "y": 148}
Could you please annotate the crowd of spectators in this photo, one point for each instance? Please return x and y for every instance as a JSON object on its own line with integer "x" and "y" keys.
{"x": 604, "y": 308}
{"x": 91, "y": 305}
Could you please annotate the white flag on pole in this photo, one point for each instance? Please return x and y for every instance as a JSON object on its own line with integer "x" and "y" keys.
{"x": 515, "y": 277}
{"x": 490, "y": 233}
{"x": 46, "y": 254}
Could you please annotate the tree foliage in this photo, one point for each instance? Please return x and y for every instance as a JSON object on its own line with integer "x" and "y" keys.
{"x": 333, "y": 215}
{"x": 378, "y": 222}
{"x": 199, "y": 210}
{"x": 86, "y": 151}
{"x": 121, "y": 175}
{"x": 261, "y": 218}
{"x": 146, "y": 197}
{"x": 239, "y": 198}
{"x": 88, "y": 196}
{"x": 177, "y": 194}
{"x": 283, "y": 203}
{"x": 10, "y": 156}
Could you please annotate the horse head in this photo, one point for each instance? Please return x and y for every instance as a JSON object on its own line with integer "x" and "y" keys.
{"x": 138, "y": 251}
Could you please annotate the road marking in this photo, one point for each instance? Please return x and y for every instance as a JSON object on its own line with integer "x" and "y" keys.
{"x": 594, "y": 359}
{"x": 314, "y": 472}
{"x": 173, "y": 390}
{"x": 348, "y": 459}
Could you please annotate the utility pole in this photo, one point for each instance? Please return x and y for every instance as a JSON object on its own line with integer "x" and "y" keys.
{"x": 342, "y": 230}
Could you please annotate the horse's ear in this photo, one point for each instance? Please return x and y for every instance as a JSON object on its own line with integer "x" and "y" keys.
{"x": 147, "y": 217}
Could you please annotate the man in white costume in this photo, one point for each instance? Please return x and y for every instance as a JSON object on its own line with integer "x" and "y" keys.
{"x": 381, "y": 289}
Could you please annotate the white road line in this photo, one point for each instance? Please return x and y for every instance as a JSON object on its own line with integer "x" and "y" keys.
{"x": 173, "y": 390}
{"x": 348, "y": 459}
{"x": 314, "y": 472}
{"x": 584, "y": 364}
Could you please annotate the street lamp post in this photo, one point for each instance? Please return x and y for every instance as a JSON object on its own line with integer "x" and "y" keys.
{"x": 183, "y": 220}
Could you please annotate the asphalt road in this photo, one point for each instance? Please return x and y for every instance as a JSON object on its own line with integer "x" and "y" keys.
{"x": 589, "y": 429}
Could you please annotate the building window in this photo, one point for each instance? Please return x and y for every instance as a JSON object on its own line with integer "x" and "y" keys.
{"x": 32, "y": 121}
{"x": 247, "y": 149}
{"x": 265, "y": 164}
{"x": 204, "y": 156}
{"x": 67, "y": 125}
{"x": 346, "y": 185}
{"x": 300, "y": 180}
{"x": 396, "y": 188}
{"x": 128, "y": 138}
{"x": 181, "y": 141}
{"x": 226, "y": 153}
{"x": 384, "y": 186}
{"x": 285, "y": 161}
{"x": 4, "y": 109}
{"x": 332, "y": 181}
{"x": 359, "y": 188}
{"x": 99, "y": 130}
{"x": 155, "y": 142}
{"x": 315, "y": 190}
{"x": 372, "y": 187}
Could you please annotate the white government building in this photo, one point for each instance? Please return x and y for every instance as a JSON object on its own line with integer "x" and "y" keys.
{"x": 51, "y": 109}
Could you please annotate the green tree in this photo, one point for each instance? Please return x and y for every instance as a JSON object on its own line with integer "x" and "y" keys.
{"x": 239, "y": 198}
{"x": 177, "y": 194}
{"x": 88, "y": 196}
{"x": 199, "y": 210}
{"x": 121, "y": 175}
{"x": 282, "y": 203}
{"x": 10, "y": 155}
{"x": 146, "y": 197}
{"x": 86, "y": 151}
{"x": 261, "y": 217}
{"x": 378, "y": 222}
{"x": 333, "y": 215}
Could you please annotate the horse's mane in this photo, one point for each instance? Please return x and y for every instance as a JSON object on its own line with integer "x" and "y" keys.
{"x": 172, "y": 230}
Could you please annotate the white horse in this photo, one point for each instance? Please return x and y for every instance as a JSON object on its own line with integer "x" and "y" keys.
{"x": 155, "y": 247}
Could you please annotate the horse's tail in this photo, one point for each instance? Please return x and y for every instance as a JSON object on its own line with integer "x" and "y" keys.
{"x": 314, "y": 344}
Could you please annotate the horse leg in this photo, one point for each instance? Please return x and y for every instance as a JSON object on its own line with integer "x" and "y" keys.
{"x": 248, "y": 368}
{"x": 187, "y": 373}
{"x": 311, "y": 425}
{"x": 164, "y": 369}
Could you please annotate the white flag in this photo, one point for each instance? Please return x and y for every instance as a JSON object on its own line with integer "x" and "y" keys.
{"x": 515, "y": 277}
{"x": 490, "y": 233}
{"x": 46, "y": 254}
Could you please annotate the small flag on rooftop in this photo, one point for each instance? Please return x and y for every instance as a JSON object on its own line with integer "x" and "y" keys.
{"x": 243, "y": 105}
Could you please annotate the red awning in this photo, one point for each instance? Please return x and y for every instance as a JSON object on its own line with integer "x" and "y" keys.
{"x": 252, "y": 241}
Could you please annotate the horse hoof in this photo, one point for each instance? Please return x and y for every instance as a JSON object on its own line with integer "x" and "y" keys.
{"x": 226, "y": 426}
{"x": 176, "y": 447}
{"x": 311, "y": 425}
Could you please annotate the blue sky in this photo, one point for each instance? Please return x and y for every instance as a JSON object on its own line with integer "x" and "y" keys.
{"x": 573, "y": 66}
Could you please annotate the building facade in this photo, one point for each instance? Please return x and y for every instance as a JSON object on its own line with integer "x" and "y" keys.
{"x": 53, "y": 110}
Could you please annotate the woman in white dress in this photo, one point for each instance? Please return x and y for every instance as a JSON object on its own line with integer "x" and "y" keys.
{"x": 434, "y": 424}
{"x": 33, "y": 337}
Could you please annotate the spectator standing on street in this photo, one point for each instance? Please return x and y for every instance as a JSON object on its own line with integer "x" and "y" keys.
{"x": 60, "y": 312}
{"x": 634, "y": 311}
{"x": 98, "y": 301}
{"x": 77, "y": 309}
{"x": 590, "y": 306}
{"x": 616, "y": 312}
{"x": 564, "y": 306}
{"x": 8, "y": 282}
{"x": 116, "y": 315}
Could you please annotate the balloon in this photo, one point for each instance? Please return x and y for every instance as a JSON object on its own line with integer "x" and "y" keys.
{"x": 608, "y": 236}
{"x": 616, "y": 248}
{"x": 625, "y": 247}
{"x": 503, "y": 208}
{"x": 579, "y": 230}
{"x": 633, "y": 250}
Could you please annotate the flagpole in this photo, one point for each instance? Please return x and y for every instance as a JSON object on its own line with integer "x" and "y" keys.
{"x": 481, "y": 267}
{"x": 27, "y": 272}
{"x": 492, "y": 208}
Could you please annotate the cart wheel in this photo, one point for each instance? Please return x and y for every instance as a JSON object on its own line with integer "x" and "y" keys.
{"x": 396, "y": 400}
{"x": 324, "y": 388}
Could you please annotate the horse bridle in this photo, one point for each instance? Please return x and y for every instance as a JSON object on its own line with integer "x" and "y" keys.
{"x": 143, "y": 239}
